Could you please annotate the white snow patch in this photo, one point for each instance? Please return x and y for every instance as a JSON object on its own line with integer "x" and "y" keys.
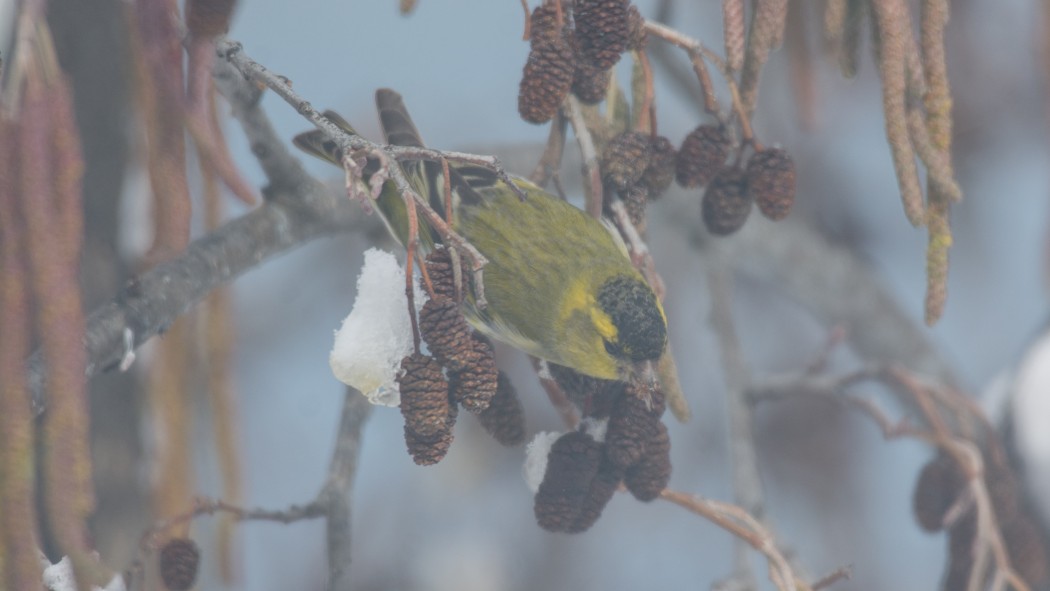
{"x": 536, "y": 458}
{"x": 377, "y": 334}
{"x": 596, "y": 428}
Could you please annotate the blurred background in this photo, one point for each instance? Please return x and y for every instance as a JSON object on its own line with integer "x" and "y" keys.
{"x": 837, "y": 493}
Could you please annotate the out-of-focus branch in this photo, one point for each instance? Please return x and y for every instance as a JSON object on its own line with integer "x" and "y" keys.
{"x": 150, "y": 303}
{"x": 986, "y": 487}
{"x": 299, "y": 209}
{"x": 836, "y": 286}
{"x": 741, "y": 524}
{"x": 332, "y": 502}
{"x": 335, "y": 495}
{"x": 747, "y": 485}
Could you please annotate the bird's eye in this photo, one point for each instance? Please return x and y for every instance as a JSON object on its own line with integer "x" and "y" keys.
{"x": 613, "y": 348}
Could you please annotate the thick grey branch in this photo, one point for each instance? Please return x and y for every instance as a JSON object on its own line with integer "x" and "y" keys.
{"x": 838, "y": 288}
{"x": 335, "y": 496}
{"x": 151, "y": 302}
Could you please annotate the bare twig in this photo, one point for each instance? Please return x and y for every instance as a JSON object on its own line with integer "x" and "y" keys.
{"x": 696, "y": 50}
{"x": 744, "y": 527}
{"x": 843, "y": 573}
{"x": 593, "y": 175}
{"x": 332, "y": 502}
{"x": 920, "y": 393}
{"x": 549, "y": 165}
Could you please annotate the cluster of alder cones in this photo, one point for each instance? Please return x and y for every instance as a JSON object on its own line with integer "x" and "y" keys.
{"x": 574, "y": 45}
{"x": 621, "y": 439}
{"x": 639, "y": 167}
{"x": 460, "y": 371}
{"x": 768, "y": 179}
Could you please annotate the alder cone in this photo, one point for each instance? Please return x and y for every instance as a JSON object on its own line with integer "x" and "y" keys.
{"x": 635, "y": 199}
{"x": 726, "y": 202}
{"x": 543, "y": 25}
{"x": 424, "y": 394}
{"x": 632, "y": 423}
{"x": 602, "y": 28}
{"x": 637, "y": 36}
{"x": 442, "y": 277}
{"x": 650, "y": 475}
{"x": 660, "y": 172}
{"x": 475, "y": 378}
{"x": 771, "y": 181}
{"x": 429, "y": 450}
{"x": 625, "y": 159}
{"x": 939, "y": 484}
{"x": 504, "y": 418}
{"x": 590, "y": 83}
{"x": 601, "y": 491}
{"x": 546, "y": 80}
{"x": 572, "y": 466}
{"x": 445, "y": 331}
{"x": 179, "y": 562}
{"x": 702, "y": 155}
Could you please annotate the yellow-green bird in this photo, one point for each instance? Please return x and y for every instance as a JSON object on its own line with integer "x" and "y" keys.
{"x": 558, "y": 284}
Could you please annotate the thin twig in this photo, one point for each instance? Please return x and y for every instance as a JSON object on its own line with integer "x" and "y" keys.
{"x": 593, "y": 175}
{"x": 744, "y": 527}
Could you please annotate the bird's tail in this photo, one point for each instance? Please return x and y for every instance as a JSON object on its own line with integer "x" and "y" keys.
{"x": 425, "y": 176}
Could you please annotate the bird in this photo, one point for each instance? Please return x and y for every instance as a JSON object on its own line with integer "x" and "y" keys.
{"x": 558, "y": 284}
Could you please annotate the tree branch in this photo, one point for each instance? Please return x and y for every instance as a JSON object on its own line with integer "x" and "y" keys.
{"x": 335, "y": 496}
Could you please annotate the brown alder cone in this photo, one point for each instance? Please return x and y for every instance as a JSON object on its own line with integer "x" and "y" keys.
{"x": 632, "y": 424}
{"x": 590, "y": 83}
{"x": 601, "y": 491}
{"x": 546, "y": 80}
{"x": 602, "y": 30}
{"x": 637, "y": 36}
{"x": 939, "y": 484}
{"x": 442, "y": 277}
{"x": 651, "y": 474}
{"x": 660, "y": 172}
{"x": 543, "y": 25}
{"x": 504, "y": 418}
{"x": 771, "y": 182}
{"x": 445, "y": 331}
{"x": 702, "y": 155}
{"x": 424, "y": 395}
{"x": 726, "y": 202}
{"x": 426, "y": 451}
{"x": 572, "y": 466}
{"x": 475, "y": 377}
{"x": 625, "y": 159}
{"x": 635, "y": 199}
{"x": 179, "y": 562}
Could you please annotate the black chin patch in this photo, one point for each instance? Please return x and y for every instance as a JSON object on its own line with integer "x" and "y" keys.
{"x": 640, "y": 329}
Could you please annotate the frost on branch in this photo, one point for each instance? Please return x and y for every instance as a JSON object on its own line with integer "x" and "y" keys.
{"x": 377, "y": 334}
